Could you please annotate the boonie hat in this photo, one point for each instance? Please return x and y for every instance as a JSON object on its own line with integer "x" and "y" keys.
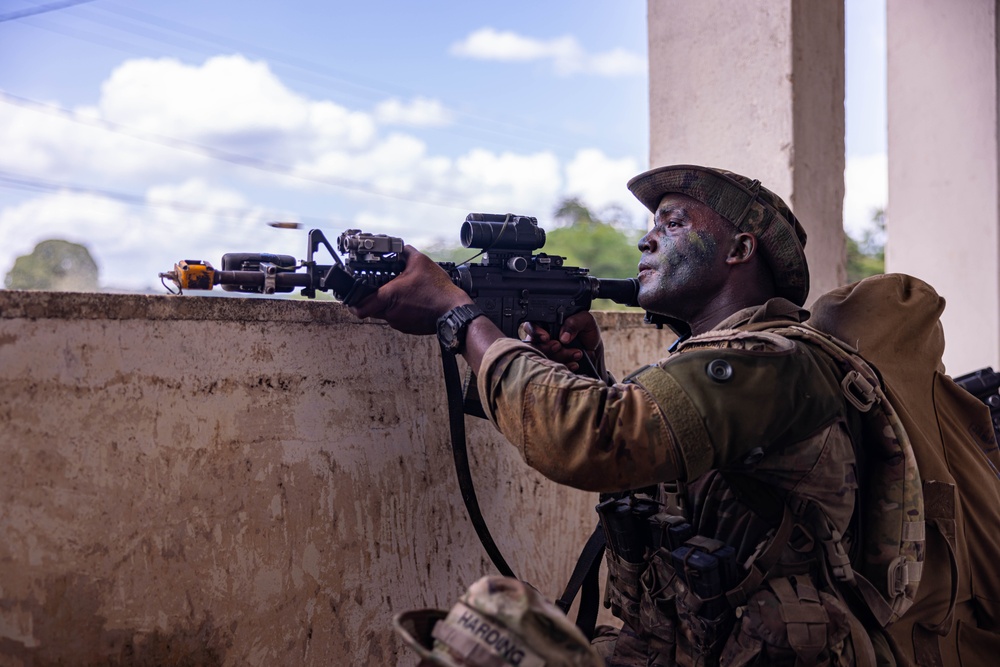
{"x": 499, "y": 621}
{"x": 746, "y": 204}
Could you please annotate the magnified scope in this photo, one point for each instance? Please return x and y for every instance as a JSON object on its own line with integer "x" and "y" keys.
{"x": 494, "y": 231}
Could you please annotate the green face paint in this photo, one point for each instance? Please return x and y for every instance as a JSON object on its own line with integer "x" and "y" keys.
{"x": 682, "y": 261}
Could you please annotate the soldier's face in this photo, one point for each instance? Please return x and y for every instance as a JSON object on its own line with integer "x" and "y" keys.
{"x": 683, "y": 257}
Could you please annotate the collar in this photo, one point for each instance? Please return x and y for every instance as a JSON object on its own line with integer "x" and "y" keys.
{"x": 777, "y": 308}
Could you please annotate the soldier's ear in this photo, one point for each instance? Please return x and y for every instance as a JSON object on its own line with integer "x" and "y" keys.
{"x": 743, "y": 249}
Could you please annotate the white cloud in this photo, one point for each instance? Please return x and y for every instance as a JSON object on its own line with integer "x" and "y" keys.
{"x": 618, "y": 62}
{"x": 867, "y": 188}
{"x": 419, "y": 112}
{"x": 160, "y": 112}
{"x": 239, "y": 105}
{"x": 508, "y": 182}
{"x": 599, "y": 181}
{"x": 131, "y": 244}
{"x": 565, "y": 53}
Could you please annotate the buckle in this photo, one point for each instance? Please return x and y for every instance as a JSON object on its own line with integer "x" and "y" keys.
{"x": 859, "y": 391}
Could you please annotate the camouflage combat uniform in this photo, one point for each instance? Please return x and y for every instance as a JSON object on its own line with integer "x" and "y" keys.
{"x": 755, "y": 427}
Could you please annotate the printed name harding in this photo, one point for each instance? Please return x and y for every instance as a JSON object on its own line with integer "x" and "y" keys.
{"x": 499, "y": 642}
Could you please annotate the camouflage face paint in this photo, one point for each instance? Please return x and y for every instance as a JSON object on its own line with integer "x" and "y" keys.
{"x": 683, "y": 257}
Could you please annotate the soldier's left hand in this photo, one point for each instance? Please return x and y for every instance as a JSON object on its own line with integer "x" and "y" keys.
{"x": 413, "y": 301}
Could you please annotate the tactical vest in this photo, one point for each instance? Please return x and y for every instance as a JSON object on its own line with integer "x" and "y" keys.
{"x": 696, "y": 599}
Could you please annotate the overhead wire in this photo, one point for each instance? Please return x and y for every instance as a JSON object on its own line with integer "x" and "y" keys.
{"x": 212, "y": 152}
{"x": 474, "y": 127}
{"x": 34, "y": 184}
{"x": 40, "y": 9}
{"x": 311, "y": 67}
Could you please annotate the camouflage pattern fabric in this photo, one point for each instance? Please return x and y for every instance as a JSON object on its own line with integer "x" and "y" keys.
{"x": 892, "y": 560}
{"x": 498, "y": 622}
{"x": 679, "y": 421}
{"x": 746, "y": 204}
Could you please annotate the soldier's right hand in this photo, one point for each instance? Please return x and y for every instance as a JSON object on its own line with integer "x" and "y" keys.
{"x": 579, "y": 335}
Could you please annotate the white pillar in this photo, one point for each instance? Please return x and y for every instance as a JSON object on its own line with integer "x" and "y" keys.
{"x": 944, "y": 199}
{"x": 757, "y": 88}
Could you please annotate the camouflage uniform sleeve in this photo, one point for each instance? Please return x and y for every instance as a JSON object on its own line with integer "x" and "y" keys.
{"x": 674, "y": 421}
{"x": 576, "y": 430}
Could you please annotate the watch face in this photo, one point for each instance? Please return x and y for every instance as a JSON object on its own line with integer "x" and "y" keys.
{"x": 446, "y": 334}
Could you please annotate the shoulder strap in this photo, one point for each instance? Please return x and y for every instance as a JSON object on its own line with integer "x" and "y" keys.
{"x": 891, "y": 566}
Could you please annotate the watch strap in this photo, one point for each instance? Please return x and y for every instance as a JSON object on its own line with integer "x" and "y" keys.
{"x": 456, "y": 323}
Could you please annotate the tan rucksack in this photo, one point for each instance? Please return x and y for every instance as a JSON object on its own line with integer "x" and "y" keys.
{"x": 893, "y": 321}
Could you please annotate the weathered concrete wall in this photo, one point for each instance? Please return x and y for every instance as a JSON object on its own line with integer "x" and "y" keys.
{"x": 245, "y": 482}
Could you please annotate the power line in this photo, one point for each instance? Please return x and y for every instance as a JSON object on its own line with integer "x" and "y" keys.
{"x": 41, "y": 9}
{"x": 212, "y": 152}
{"x": 190, "y": 35}
{"x": 34, "y": 184}
{"x": 327, "y": 72}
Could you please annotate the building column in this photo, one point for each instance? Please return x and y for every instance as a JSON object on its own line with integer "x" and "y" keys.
{"x": 757, "y": 88}
{"x": 943, "y": 214}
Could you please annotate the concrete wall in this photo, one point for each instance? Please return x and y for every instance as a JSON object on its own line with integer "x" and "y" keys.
{"x": 757, "y": 88}
{"x": 245, "y": 482}
{"x": 943, "y": 212}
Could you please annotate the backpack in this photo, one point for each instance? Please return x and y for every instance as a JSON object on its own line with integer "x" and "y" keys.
{"x": 893, "y": 321}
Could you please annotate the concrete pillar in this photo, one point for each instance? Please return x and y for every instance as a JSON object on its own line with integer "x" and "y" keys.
{"x": 757, "y": 88}
{"x": 944, "y": 198}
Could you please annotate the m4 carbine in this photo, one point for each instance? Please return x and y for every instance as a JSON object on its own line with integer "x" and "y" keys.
{"x": 510, "y": 284}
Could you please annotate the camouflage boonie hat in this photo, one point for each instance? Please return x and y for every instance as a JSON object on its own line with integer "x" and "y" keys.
{"x": 499, "y": 621}
{"x": 749, "y": 206}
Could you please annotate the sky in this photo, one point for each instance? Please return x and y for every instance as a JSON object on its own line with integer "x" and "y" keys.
{"x": 153, "y": 132}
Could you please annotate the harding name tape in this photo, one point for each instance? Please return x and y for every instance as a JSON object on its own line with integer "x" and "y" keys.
{"x": 482, "y": 641}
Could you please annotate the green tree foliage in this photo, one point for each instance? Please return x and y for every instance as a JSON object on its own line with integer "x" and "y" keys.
{"x": 605, "y": 244}
{"x": 55, "y": 265}
{"x": 866, "y": 256}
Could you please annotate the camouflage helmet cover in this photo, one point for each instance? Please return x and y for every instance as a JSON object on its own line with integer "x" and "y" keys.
{"x": 748, "y": 206}
{"x": 499, "y": 621}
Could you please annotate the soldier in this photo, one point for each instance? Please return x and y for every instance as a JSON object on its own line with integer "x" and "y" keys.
{"x": 728, "y": 466}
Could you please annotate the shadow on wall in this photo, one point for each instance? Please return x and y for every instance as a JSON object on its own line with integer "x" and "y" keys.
{"x": 68, "y": 623}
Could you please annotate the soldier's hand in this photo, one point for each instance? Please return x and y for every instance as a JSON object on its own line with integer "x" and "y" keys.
{"x": 413, "y": 301}
{"x": 579, "y": 334}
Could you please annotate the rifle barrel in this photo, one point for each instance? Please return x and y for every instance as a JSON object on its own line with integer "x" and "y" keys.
{"x": 620, "y": 290}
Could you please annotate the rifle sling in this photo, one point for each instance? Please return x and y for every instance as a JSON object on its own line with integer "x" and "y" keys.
{"x": 459, "y": 449}
{"x": 586, "y": 574}
{"x": 586, "y": 581}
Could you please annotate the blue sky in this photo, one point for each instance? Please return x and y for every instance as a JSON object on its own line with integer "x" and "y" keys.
{"x": 159, "y": 131}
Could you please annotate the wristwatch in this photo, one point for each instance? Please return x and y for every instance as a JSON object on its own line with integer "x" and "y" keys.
{"x": 452, "y": 326}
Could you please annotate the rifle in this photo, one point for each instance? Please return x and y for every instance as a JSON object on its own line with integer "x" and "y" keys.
{"x": 511, "y": 284}
{"x": 984, "y": 384}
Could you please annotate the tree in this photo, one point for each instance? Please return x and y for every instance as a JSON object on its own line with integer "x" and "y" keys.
{"x": 604, "y": 243}
{"x": 866, "y": 256}
{"x": 55, "y": 265}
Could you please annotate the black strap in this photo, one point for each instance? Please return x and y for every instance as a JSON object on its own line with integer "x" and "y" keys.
{"x": 456, "y": 419}
{"x": 586, "y": 574}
